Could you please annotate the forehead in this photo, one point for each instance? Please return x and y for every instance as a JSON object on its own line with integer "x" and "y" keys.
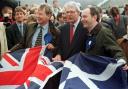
{"x": 86, "y": 11}
{"x": 19, "y": 12}
{"x": 41, "y": 10}
{"x": 70, "y": 8}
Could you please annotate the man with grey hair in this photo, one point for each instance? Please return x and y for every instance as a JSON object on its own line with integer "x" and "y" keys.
{"x": 72, "y": 34}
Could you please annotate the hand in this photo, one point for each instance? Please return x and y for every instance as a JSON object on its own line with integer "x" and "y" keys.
{"x": 9, "y": 51}
{"x": 50, "y": 46}
{"x": 119, "y": 41}
{"x": 125, "y": 67}
{"x": 57, "y": 58}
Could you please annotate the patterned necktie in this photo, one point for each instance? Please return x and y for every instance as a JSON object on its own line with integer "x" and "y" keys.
{"x": 71, "y": 32}
{"x": 39, "y": 38}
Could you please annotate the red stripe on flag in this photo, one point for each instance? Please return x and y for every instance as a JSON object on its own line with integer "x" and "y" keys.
{"x": 7, "y": 58}
{"x": 41, "y": 72}
{"x": 19, "y": 77}
{"x": 44, "y": 61}
{"x": 28, "y": 83}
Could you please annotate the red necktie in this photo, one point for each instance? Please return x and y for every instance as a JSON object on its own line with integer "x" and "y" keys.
{"x": 71, "y": 32}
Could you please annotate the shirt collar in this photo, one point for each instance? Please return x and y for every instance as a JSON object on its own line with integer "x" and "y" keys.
{"x": 44, "y": 27}
{"x": 19, "y": 23}
{"x": 96, "y": 29}
{"x": 76, "y": 23}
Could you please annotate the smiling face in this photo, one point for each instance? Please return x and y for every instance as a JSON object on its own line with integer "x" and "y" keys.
{"x": 42, "y": 17}
{"x": 87, "y": 19}
{"x": 19, "y": 16}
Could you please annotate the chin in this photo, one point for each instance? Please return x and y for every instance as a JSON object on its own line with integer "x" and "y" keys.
{"x": 84, "y": 25}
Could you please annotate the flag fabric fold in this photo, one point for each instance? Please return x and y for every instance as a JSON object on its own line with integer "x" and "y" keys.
{"x": 30, "y": 69}
{"x": 27, "y": 69}
{"x": 92, "y": 72}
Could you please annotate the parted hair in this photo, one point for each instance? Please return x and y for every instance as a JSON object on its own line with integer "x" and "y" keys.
{"x": 20, "y": 9}
{"x": 48, "y": 8}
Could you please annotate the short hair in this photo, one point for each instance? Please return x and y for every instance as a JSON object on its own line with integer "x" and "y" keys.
{"x": 95, "y": 11}
{"x": 54, "y": 1}
{"x": 19, "y": 9}
{"x": 48, "y": 9}
{"x": 6, "y": 8}
{"x": 59, "y": 15}
{"x": 125, "y": 8}
{"x": 114, "y": 11}
{"x": 73, "y": 4}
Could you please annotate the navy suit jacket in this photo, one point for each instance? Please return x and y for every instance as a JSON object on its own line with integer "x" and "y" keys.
{"x": 67, "y": 49}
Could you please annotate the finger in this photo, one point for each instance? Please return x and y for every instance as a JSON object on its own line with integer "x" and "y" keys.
{"x": 125, "y": 67}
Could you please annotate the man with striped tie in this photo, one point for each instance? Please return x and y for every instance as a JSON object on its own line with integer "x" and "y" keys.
{"x": 36, "y": 32}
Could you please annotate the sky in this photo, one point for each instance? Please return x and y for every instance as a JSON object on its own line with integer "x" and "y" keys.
{"x": 84, "y": 3}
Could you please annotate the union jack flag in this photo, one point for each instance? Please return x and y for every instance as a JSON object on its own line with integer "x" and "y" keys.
{"x": 27, "y": 69}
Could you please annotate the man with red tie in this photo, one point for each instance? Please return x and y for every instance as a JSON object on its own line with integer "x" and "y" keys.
{"x": 72, "y": 34}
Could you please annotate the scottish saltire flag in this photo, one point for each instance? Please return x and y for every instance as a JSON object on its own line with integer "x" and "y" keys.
{"x": 27, "y": 69}
{"x": 92, "y": 72}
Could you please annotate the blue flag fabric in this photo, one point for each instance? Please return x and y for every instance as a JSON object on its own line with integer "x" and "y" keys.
{"x": 92, "y": 72}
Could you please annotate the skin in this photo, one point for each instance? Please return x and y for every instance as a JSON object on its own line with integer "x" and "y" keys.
{"x": 88, "y": 21}
{"x": 19, "y": 16}
{"x": 72, "y": 14}
{"x": 42, "y": 17}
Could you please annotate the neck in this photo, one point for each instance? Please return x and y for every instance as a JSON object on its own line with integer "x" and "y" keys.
{"x": 20, "y": 22}
{"x": 92, "y": 26}
{"x": 43, "y": 24}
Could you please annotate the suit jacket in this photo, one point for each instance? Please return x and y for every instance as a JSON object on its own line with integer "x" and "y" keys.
{"x": 104, "y": 44}
{"x": 14, "y": 35}
{"x": 67, "y": 49}
{"x": 26, "y": 42}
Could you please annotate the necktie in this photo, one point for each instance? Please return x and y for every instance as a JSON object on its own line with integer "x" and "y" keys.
{"x": 21, "y": 29}
{"x": 39, "y": 38}
{"x": 71, "y": 32}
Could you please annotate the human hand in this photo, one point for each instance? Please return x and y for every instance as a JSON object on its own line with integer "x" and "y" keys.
{"x": 57, "y": 58}
{"x": 50, "y": 46}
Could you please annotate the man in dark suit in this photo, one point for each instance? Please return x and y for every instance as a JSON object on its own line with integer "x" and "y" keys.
{"x": 70, "y": 42}
{"x": 15, "y": 32}
{"x": 100, "y": 39}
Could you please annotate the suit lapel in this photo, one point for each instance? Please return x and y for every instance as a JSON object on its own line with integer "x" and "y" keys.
{"x": 30, "y": 34}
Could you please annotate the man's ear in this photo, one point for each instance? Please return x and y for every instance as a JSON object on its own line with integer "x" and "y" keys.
{"x": 49, "y": 16}
{"x": 95, "y": 17}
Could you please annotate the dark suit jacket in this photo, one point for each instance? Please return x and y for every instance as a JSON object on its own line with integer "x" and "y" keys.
{"x": 105, "y": 43}
{"x": 26, "y": 42}
{"x": 13, "y": 35}
{"x": 67, "y": 49}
